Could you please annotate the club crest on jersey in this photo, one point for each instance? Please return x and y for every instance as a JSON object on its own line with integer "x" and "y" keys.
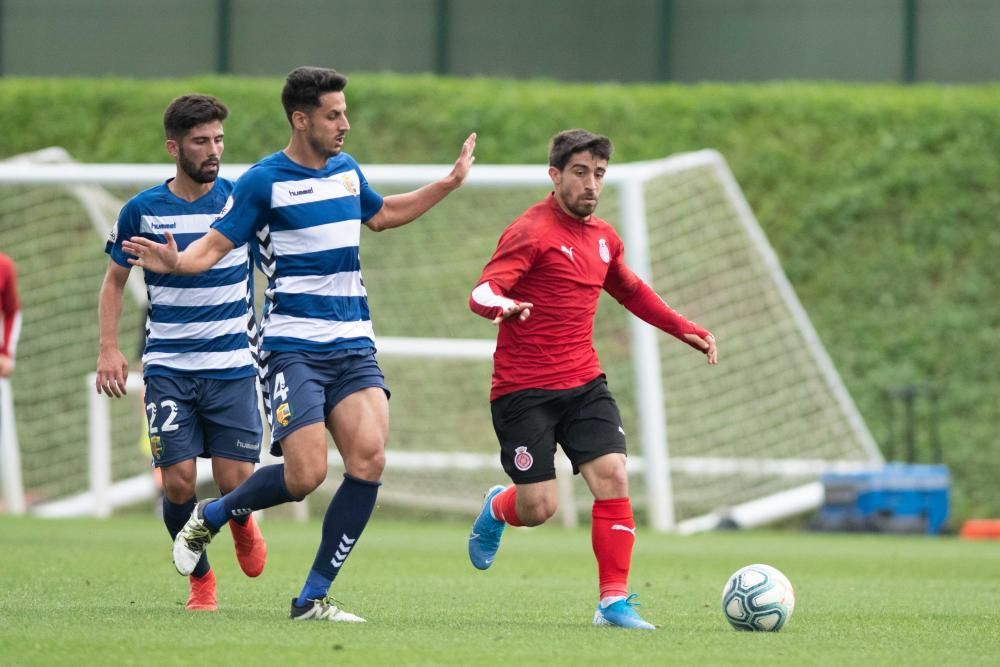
{"x": 347, "y": 178}
{"x": 155, "y": 447}
{"x": 283, "y": 414}
{"x": 603, "y": 251}
{"x": 523, "y": 460}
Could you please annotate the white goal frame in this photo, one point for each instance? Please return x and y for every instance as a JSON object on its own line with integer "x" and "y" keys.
{"x": 654, "y": 463}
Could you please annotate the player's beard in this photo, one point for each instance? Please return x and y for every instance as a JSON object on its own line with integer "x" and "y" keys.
{"x": 580, "y": 207}
{"x": 327, "y": 149}
{"x": 198, "y": 173}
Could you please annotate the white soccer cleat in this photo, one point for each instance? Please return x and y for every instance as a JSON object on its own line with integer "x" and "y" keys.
{"x": 190, "y": 542}
{"x": 322, "y": 610}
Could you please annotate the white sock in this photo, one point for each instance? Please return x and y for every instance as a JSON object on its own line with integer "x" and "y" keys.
{"x": 610, "y": 600}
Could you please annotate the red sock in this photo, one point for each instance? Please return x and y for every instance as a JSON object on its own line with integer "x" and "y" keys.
{"x": 504, "y": 506}
{"x": 612, "y": 532}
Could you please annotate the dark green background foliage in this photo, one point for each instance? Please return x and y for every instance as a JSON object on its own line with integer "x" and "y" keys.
{"x": 880, "y": 201}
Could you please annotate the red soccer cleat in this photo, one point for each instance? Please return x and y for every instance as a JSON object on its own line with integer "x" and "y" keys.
{"x": 202, "y": 596}
{"x": 251, "y": 550}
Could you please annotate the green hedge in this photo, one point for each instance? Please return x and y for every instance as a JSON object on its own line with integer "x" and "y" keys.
{"x": 880, "y": 201}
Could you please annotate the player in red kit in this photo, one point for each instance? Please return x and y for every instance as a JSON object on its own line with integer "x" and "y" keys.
{"x": 10, "y": 315}
{"x": 541, "y": 288}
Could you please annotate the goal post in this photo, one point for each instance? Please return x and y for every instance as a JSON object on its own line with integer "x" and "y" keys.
{"x": 10, "y": 453}
{"x": 744, "y": 442}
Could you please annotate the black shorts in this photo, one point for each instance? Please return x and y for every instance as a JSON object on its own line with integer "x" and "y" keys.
{"x": 585, "y": 421}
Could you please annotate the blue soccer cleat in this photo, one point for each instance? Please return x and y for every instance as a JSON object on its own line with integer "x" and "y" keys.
{"x": 622, "y": 614}
{"x": 484, "y": 540}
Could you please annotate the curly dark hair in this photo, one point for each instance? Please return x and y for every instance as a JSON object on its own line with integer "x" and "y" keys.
{"x": 569, "y": 142}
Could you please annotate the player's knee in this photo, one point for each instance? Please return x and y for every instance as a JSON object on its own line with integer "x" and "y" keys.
{"x": 178, "y": 489}
{"x": 302, "y": 482}
{"x": 537, "y": 511}
{"x": 617, "y": 481}
{"x": 179, "y": 481}
{"x": 367, "y": 464}
{"x": 229, "y": 479}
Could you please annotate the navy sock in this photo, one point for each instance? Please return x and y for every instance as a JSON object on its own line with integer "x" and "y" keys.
{"x": 265, "y": 488}
{"x": 345, "y": 519}
{"x": 175, "y": 516}
{"x": 242, "y": 520}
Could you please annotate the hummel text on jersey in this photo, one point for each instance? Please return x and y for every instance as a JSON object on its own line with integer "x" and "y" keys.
{"x": 296, "y": 193}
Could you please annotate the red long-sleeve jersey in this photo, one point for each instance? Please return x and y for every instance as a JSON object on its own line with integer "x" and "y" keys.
{"x": 10, "y": 307}
{"x": 560, "y": 264}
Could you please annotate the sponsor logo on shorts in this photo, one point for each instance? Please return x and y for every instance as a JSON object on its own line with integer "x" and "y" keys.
{"x": 283, "y": 414}
{"x": 523, "y": 460}
{"x": 155, "y": 447}
{"x": 248, "y": 445}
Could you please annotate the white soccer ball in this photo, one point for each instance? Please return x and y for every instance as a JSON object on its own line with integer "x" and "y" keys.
{"x": 758, "y": 597}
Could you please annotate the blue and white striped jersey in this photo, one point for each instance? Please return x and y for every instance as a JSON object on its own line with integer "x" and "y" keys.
{"x": 307, "y": 223}
{"x": 202, "y": 325}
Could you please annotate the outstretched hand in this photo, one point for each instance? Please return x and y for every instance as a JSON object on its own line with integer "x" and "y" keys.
{"x": 153, "y": 256}
{"x": 464, "y": 162}
{"x": 112, "y": 372}
{"x": 706, "y": 345}
{"x": 520, "y": 309}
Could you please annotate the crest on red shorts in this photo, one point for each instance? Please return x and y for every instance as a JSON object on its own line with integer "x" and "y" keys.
{"x": 523, "y": 460}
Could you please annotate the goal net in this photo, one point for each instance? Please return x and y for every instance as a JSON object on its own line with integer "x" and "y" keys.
{"x": 744, "y": 441}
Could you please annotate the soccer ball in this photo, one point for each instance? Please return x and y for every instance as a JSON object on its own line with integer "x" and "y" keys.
{"x": 758, "y": 597}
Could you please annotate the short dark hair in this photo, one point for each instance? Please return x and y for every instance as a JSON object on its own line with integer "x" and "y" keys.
{"x": 188, "y": 111}
{"x": 570, "y": 142}
{"x": 305, "y": 85}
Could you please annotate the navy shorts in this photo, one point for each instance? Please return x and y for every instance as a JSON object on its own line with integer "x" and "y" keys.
{"x": 585, "y": 421}
{"x": 190, "y": 416}
{"x": 304, "y": 387}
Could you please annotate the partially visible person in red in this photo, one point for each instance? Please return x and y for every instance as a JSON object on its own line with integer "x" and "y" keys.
{"x": 541, "y": 288}
{"x": 10, "y": 313}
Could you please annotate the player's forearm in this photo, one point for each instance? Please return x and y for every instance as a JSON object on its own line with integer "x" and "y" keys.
{"x": 202, "y": 255}
{"x": 488, "y": 301}
{"x": 401, "y": 209}
{"x": 109, "y": 314}
{"x": 646, "y": 304}
{"x": 192, "y": 263}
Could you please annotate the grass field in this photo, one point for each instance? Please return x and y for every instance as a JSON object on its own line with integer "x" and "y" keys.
{"x": 105, "y": 593}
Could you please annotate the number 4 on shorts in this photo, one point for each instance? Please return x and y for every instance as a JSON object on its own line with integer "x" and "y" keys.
{"x": 280, "y": 392}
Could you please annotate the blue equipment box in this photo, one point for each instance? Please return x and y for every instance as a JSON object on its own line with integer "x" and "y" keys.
{"x": 896, "y": 498}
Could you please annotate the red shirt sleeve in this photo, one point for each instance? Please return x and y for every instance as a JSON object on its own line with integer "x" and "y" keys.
{"x": 10, "y": 304}
{"x": 639, "y": 298}
{"x": 515, "y": 253}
